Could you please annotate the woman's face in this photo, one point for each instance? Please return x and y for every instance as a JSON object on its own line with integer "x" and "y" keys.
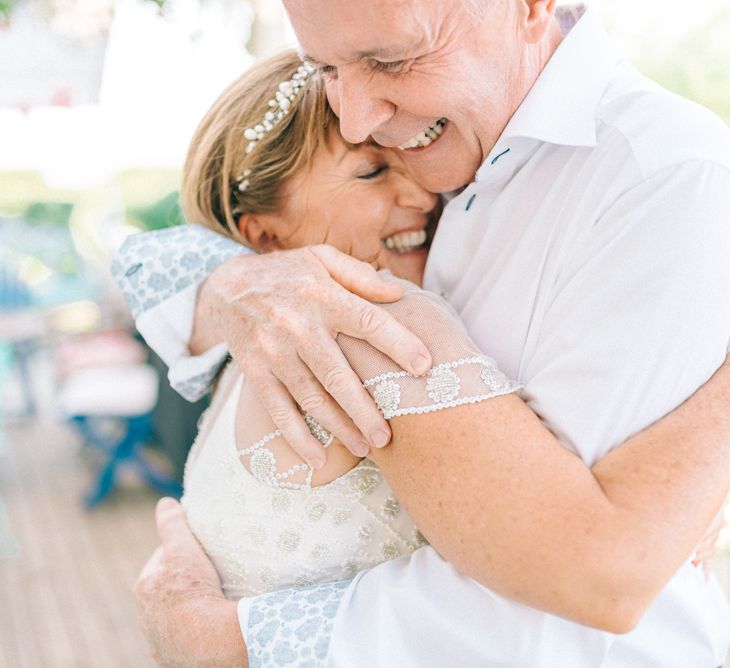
{"x": 362, "y": 201}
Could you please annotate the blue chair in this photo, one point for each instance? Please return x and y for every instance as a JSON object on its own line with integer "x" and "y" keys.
{"x": 14, "y": 294}
{"x": 124, "y": 396}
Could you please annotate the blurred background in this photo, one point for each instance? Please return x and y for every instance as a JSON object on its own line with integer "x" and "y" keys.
{"x": 98, "y": 100}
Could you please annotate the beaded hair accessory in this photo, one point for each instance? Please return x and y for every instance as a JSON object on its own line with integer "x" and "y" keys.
{"x": 279, "y": 107}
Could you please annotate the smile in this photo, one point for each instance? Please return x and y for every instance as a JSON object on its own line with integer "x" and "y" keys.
{"x": 405, "y": 242}
{"x": 426, "y": 137}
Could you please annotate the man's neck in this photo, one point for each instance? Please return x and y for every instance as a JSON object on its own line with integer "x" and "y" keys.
{"x": 533, "y": 64}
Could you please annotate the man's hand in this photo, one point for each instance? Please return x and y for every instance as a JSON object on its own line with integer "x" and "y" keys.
{"x": 279, "y": 314}
{"x": 182, "y": 610}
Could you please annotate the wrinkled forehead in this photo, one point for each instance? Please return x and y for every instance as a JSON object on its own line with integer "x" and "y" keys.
{"x": 336, "y": 31}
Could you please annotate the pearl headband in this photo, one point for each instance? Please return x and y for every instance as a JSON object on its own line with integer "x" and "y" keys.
{"x": 279, "y": 107}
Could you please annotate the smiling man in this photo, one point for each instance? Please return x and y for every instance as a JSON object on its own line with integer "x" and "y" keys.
{"x": 423, "y": 78}
{"x": 586, "y": 251}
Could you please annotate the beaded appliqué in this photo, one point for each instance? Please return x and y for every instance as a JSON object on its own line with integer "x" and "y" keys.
{"x": 444, "y": 387}
{"x": 493, "y": 378}
{"x": 387, "y": 396}
{"x": 263, "y": 465}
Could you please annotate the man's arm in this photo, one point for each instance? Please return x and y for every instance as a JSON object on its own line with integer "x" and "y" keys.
{"x": 278, "y": 314}
{"x": 159, "y": 274}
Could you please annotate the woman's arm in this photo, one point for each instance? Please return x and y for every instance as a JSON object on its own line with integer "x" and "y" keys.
{"x": 501, "y": 498}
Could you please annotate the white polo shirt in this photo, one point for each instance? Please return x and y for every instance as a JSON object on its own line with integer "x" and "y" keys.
{"x": 591, "y": 258}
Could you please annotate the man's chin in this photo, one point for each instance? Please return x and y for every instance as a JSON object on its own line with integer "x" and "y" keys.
{"x": 439, "y": 176}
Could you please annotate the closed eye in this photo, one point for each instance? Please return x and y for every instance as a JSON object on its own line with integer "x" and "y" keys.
{"x": 377, "y": 171}
{"x": 393, "y": 67}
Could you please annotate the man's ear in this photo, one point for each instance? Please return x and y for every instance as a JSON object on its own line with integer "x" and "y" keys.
{"x": 258, "y": 233}
{"x": 537, "y": 17}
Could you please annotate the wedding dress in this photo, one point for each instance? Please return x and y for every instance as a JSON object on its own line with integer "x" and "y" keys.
{"x": 250, "y": 501}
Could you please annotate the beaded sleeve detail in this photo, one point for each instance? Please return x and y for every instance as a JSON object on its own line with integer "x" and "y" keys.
{"x": 463, "y": 381}
{"x": 263, "y": 465}
{"x": 449, "y": 384}
{"x": 461, "y": 375}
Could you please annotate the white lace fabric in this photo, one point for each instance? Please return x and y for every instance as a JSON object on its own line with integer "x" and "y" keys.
{"x": 250, "y": 499}
{"x": 461, "y": 373}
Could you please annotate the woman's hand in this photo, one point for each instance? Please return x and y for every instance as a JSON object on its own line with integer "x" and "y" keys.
{"x": 279, "y": 314}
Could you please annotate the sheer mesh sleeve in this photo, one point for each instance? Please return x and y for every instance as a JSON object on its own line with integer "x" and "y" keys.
{"x": 461, "y": 373}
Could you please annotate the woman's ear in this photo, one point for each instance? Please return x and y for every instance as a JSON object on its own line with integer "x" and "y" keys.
{"x": 258, "y": 232}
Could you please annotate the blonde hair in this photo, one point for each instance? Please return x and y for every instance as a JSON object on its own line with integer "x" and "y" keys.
{"x": 217, "y": 157}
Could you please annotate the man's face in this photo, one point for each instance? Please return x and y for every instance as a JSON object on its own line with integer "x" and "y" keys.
{"x": 435, "y": 78}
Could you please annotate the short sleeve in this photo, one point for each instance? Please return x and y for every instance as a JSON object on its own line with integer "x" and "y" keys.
{"x": 639, "y": 317}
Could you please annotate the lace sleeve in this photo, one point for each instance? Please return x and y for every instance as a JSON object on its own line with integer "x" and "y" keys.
{"x": 461, "y": 373}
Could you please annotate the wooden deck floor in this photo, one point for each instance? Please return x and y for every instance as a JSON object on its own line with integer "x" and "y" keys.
{"x": 65, "y": 573}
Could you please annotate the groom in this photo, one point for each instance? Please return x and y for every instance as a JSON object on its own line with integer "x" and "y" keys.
{"x": 588, "y": 253}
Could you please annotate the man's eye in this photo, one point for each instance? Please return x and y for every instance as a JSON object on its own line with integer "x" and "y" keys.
{"x": 392, "y": 67}
{"x": 374, "y": 173}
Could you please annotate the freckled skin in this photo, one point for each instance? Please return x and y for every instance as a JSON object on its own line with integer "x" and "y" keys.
{"x": 442, "y": 60}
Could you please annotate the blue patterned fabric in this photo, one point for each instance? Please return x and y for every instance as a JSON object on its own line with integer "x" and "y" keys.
{"x": 153, "y": 266}
{"x": 293, "y": 627}
{"x": 194, "y": 388}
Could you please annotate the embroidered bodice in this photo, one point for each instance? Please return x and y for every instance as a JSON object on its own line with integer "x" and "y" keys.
{"x": 251, "y": 503}
{"x": 262, "y": 536}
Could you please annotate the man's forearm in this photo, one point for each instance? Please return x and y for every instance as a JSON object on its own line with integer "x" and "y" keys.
{"x": 204, "y": 335}
{"x": 212, "y": 636}
{"x": 182, "y": 610}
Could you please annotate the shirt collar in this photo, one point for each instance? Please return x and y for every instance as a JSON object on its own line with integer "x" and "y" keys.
{"x": 562, "y": 105}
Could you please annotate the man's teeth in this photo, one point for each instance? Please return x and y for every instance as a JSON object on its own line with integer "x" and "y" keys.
{"x": 426, "y": 137}
{"x": 405, "y": 242}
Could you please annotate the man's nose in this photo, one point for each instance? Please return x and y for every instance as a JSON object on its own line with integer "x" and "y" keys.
{"x": 361, "y": 110}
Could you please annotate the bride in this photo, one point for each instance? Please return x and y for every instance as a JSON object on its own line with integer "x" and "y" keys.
{"x": 268, "y": 168}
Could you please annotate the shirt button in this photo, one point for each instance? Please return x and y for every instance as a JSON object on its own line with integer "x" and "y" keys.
{"x": 133, "y": 269}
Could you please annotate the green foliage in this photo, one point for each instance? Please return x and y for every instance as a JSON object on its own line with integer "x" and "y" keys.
{"x": 6, "y": 8}
{"x": 48, "y": 213}
{"x": 166, "y": 212}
